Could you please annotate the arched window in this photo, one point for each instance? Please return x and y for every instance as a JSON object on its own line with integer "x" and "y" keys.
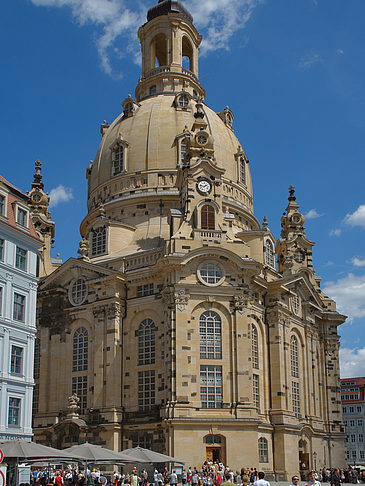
{"x": 207, "y": 217}
{"x": 80, "y": 350}
{"x": 269, "y": 254}
{"x": 183, "y": 101}
{"x": 294, "y": 361}
{"x": 242, "y": 170}
{"x": 182, "y": 150}
{"x": 98, "y": 244}
{"x": 146, "y": 342}
{"x": 210, "y": 326}
{"x": 187, "y": 54}
{"x": 263, "y": 450}
{"x": 118, "y": 159}
{"x": 254, "y": 348}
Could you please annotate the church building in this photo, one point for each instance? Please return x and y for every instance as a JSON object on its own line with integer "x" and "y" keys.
{"x": 184, "y": 326}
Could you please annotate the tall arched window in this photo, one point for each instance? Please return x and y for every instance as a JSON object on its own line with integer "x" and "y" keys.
{"x": 294, "y": 361}
{"x": 146, "y": 342}
{"x": 254, "y": 348}
{"x": 118, "y": 152}
{"x": 98, "y": 244}
{"x": 242, "y": 167}
{"x": 269, "y": 254}
{"x": 182, "y": 150}
{"x": 207, "y": 217}
{"x": 210, "y": 326}
{"x": 80, "y": 350}
{"x": 263, "y": 450}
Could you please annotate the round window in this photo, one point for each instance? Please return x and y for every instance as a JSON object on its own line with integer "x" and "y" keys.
{"x": 210, "y": 273}
{"x": 78, "y": 292}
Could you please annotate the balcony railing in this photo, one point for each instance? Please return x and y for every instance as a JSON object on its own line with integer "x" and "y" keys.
{"x": 167, "y": 69}
{"x": 209, "y": 235}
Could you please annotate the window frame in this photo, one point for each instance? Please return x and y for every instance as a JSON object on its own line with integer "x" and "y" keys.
{"x": 21, "y": 207}
{"x": 71, "y": 291}
{"x": 2, "y": 249}
{"x": 96, "y": 244}
{"x": 146, "y": 389}
{"x": 205, "y": 280}
{"x": 19, "y": 414}
{"x": 147, "y": 342}
{"x": 4, "y": 213}
{"x": 80, "y": 383}
{"x": 295, "y": 398}
{"x": 21, "y": 258}
{"x": 294, "y": 356}
{"x": 24, "y": 306}
{"x": 269, "y": 256}
{"x": 16, "y": 361}
{"x": 256, "y": 391}
{"x": 210, "y": 342}
{"x": 255, "y": 347}
{"x": 208, "y": 224}
{"x": 263, "y": 449}
{"x": 217, "y": 393}
{"x": 80, "y": 350}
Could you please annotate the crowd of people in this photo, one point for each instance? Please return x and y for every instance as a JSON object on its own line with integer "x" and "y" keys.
{"x": 210, "y": 474}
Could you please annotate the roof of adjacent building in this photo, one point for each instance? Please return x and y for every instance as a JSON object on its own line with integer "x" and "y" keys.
{"x": 16, "y": 195}
{"x": 353, "y": 390}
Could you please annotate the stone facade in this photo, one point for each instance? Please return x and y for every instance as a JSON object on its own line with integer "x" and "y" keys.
{"x": 174, "y": 327}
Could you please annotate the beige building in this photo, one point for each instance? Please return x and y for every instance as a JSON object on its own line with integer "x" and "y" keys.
{"x": 175, "y": 327}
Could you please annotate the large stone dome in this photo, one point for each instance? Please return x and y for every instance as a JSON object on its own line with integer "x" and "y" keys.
{"x": 151, "y": 140}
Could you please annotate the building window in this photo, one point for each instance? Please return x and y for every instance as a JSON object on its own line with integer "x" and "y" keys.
{"x": 37, "y": 358}
{"x": 353, "y": 437}
{"x": 146, "y": 342}
{"x": 359, "y": 422}
{"x": 16, "y": 360}
{"x": 263, "y": 450}
{"x": 2, "y": 249}
{"x": 210, "y": 327}
{"x": 21, "y": 217}
{"x": 352, "y": 423}
{"x": 146, "y": 389}
{"x": 295, "y": 398}
{"x": 213, "y": 439}
{"x": 183, "y": 101}
{"x": 345, "y": 423}
{"x": 128, "y": 109}
{"x": 361, "y": 438}
{"x": 21, "y": 258}
{"x": 254, "y": 348}
{"x": 353, "y": 454}
{"x": 19, "y": 307}
{"x": 78, "y": 292}
{"x": 80, "y": 350}
{"x": 210, "y": 274}
{"x": 36, "y": 398}
{"x": 347, "y": 454}
{"x": 362, "y": 455}
{"x": 2, "y": 205}
{"x": 344, "y": 410}
{"x": 142, "y": 439}
{"x": 79, "y": 388}
{"x": 211, "y": 386}
{"x": 143, "y": 290}
{"x": 153, "y": 90}
{"x": 118, "y": 159}
{"x": 269, "y": 254}
{"x": 14, "y": 412}
{"x": 358, "y": 408}
{"x": 294, "y": 362}
{"x": 256, "y": 391}
{"x": 182, "y": 150}
{"x": 295, "y": 303}
{"x": 98, "y": 243}
{"x": 207, "y": 215}
{"x": 351, "y": 410}
{"x": 242, "y": 165}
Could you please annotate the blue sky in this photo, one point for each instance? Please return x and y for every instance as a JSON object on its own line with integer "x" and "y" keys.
{"x": 292, "y": 72}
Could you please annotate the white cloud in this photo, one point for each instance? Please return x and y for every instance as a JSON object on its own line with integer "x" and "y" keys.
{"x": 309, "y": 60}
{"x": 352, "y": 362}
{"x": 358, "y": 262}
{"x": 340, "y": 51}
{"x": 60, "y": 194}
{"x": 313, "y": 214}
{"x": 218, "y": 20}
{"x": 336, "y": 232}
{"x": 349, "y": 294}
{"x": 357, "y": 218}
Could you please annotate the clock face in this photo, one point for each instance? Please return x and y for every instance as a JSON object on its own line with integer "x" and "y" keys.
{"x": 36, "y": 197}
{"x": 202, "y": 139}
{"x": 204, "y": 186}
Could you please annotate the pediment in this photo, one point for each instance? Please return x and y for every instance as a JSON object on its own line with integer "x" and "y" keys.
{"x": 75, "y": 268}
{"x": 206, "y": 167}
{"x": 305, "y": 289}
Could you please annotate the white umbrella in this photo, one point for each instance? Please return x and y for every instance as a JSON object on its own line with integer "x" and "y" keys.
{"x": 144, "y": 456}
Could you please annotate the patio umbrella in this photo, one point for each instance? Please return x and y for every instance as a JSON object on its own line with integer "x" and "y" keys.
{"x": 21, "y": 449}
{"x": 144, "y": 456}
{"x": 94, "y": 453}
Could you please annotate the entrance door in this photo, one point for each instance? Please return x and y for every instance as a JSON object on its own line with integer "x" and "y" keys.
{"x": 213, "y": 454}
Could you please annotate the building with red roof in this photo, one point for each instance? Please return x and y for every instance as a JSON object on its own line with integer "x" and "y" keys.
{"x": 353, "y": 411}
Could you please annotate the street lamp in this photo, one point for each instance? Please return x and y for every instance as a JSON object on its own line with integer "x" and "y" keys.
{"x": 315, "y": 460}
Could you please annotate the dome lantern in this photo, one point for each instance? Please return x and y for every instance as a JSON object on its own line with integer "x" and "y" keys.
{"x": 170, "y": 51}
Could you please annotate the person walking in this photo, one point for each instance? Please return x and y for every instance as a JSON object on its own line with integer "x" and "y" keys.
{"x": 261, "y": 481}
{"x": 312, "y": 479}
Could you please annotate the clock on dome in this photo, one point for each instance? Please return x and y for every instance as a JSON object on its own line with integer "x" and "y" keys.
{"x": 204, "y": 186}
